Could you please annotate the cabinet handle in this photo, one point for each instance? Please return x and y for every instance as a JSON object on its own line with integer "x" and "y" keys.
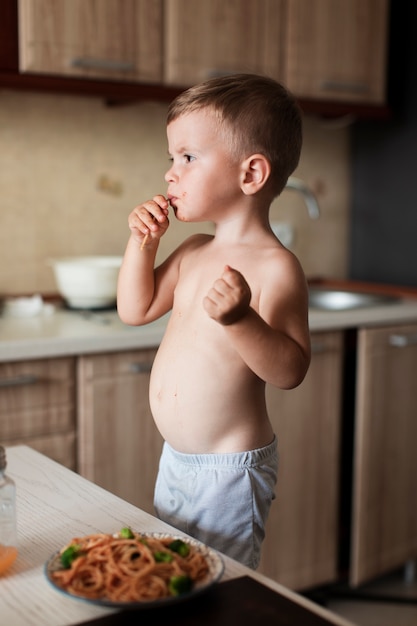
{"x": 140, "y": 368}
{"x": 402, "y": 341}
{"x": 19, "y": 381}
{"x": 334, "y": 85}
{"x": 89, "y": 63}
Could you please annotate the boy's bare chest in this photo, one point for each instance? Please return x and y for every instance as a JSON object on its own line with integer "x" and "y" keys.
{"x": 193, "y": 286}
{"x": 200, "y": 275}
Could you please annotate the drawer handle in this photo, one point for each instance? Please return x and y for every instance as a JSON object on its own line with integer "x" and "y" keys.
{"x": 333, "y": 85}
{"x": 89, "y": 63}
{"x": 402, "y": 341}
{"x": 140, "y": 368}
{"x": 19, "y": 381}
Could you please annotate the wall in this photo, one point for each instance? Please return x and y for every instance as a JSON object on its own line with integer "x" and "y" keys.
{"x": 384, "y": 158}
{"x": 71, "y": 170}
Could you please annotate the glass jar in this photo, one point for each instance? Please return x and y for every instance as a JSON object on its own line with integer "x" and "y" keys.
{"x": 8, "y": 526}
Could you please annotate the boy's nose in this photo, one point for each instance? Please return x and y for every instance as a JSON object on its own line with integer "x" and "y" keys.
{"x": 170, "y": 176}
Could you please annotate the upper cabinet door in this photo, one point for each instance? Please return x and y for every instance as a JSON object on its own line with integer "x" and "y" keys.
{"x": 106, "y": 39}
{"x": 213, "y": 37}
{"x": 336, "y": 49}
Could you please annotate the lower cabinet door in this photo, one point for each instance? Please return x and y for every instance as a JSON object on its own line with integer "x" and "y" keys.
{"x": 384, "y": 524}
{"x": 118, "y": 444}
{"x": 301, "y": 545}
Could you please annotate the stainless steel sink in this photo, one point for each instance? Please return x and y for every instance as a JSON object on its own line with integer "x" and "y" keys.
{"x": 328, "y": 299}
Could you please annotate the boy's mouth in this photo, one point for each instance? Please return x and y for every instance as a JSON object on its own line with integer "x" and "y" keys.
{"x": 173, "y": 202}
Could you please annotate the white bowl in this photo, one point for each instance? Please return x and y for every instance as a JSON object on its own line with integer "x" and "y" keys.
{"x": 88, "y": 282}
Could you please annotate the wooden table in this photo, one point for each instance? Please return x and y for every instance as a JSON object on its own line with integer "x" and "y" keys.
{"x": 55, "y": 504}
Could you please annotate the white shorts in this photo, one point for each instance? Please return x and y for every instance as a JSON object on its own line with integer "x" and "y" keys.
{"x": 222, "y": 500}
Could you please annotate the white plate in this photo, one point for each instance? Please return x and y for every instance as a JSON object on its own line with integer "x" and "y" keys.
{"x": 214, "y": 562}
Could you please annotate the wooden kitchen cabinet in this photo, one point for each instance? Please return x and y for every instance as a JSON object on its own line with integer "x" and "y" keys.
{"x": 222, "y": 38}
{"x": 331, "y": 53}
{"x": 384, "y": 524}
{"x": 92, "y": 38}
{"x": 118, "y": 443}
{"x": 301, "y": 545}
{"x": 37, "y": 407}
{"x": 321, "y": 49}
{"x": 337, "y": 50}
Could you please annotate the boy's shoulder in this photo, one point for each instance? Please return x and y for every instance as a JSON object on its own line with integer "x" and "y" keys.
{"x": 281, "y": 266}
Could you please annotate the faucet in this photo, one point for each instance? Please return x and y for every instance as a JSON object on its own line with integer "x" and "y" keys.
{"x": 310, "y": 199}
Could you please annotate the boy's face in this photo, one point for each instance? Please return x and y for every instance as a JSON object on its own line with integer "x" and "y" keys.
{"x": 203, "y": 180}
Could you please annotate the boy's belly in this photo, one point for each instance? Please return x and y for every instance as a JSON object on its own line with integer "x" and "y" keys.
{"x": 204, "y": 399}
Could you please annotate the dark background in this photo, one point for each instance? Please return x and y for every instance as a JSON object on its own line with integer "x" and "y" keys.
{"x": 383, "y": 243}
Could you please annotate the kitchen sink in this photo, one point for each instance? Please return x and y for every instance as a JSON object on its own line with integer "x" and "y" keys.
{"x": 328, "y": 299}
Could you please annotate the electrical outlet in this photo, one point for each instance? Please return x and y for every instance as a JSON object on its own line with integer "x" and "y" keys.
{"x": 284, "y": 232}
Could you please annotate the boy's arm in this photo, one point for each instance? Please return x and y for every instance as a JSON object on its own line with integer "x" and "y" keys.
{"x": 139, "y": 297}
{"x": 274, "y": 343}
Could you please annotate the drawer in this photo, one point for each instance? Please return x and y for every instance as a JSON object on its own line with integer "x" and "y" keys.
{"x": 34, "y": 422}
{"x": 30, "y": 384}
{"x": 37, "y": 397}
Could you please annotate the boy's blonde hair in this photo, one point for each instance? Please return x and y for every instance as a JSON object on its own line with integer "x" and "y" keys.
{"x": 259, "y": 116}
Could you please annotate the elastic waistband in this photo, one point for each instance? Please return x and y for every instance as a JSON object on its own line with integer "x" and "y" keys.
{"x": 248, "y": 458}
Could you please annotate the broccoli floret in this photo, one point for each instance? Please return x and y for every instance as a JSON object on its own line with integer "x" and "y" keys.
{"x": 70, "y": 554}
{"x": 180, "y": 547}
{"x": 163, "y": 557}
{"x": 180, "y": 584}
{"x": 126, "y": 533}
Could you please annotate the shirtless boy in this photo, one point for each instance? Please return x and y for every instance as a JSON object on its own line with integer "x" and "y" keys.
{"x": 239, "y": 308}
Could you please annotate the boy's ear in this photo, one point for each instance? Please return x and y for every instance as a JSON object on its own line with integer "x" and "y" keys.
{"x": 256, "y": 170}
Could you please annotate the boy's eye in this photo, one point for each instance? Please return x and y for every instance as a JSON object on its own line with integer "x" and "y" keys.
{"x": 188, "y": 158}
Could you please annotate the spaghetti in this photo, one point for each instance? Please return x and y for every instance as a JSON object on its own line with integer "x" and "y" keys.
{"x": 129, "y": 567}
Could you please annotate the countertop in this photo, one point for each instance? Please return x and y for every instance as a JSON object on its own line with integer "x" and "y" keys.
{"x": 67, "y": 332}
{"x": 55, "y": 504}
{"x": 402, "y": 312}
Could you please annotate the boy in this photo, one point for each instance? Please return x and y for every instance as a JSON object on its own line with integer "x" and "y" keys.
{"x": 239, "y": 308}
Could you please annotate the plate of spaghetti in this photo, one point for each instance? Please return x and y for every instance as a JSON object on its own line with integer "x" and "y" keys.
{"x": 133, "y": 569}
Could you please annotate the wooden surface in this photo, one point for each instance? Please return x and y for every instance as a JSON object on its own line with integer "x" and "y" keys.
{"x": 384, "y": 289}
{"x": 300, "y": 548}
{"x": 54, "y": 505}
{"x": 117, "y": 91}
{"x": 222, "y": 38}
{"x": 384, "y": 533}
{"x": 119, "y": 41}
{"x": 118, "y": 443}
{"x": 337, "y": 50}
{"x": 37, "y": 406}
